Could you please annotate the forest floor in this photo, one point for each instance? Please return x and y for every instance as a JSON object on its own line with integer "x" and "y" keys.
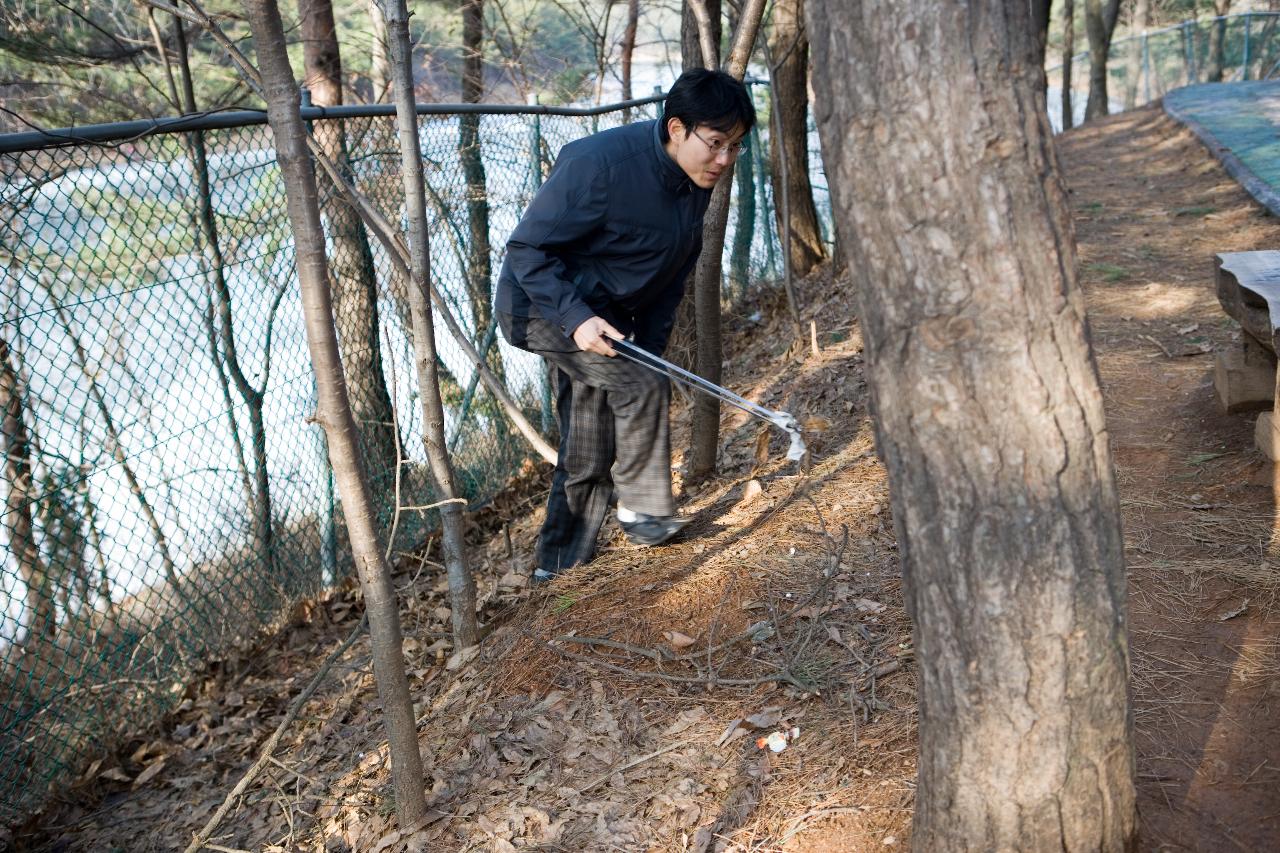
{"x": 619, "y": 707}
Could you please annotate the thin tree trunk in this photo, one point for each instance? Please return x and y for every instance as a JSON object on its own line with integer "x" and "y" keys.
{"x": 1099, "y": 23}
{"x": 1068, "y": 52}
{"x": 379, "y": 65}
{"x": 462, "y": 591}
{"x": 355, "y": 289}
{"x": 989, "y": 419}
{"x": 683, "y": 343}
{"x": 18, "y": 516}
{"x": 705, "y": 428}
{"x": 1218, "y": 42}
{"x": 628, "y": 49}
{"x": 333, "y": 410}
{"x": 789, "y": 76}
{"x": 254, "y": 398}
{"x": 693, "y": 43}
{"x": 479, "y": 284}
{"x": 1141, "y": 21}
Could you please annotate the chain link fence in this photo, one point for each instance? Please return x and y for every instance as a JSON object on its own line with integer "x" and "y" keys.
{"x": 1142, "y": 68}
{"x": 166, "y": 496}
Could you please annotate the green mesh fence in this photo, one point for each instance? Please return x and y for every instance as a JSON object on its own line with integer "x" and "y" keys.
{"x": 1142, "y": 68}
{"x": 166, "y": 496}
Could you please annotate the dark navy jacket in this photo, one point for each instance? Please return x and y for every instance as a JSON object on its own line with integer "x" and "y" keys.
{"x": 613, "y": 232}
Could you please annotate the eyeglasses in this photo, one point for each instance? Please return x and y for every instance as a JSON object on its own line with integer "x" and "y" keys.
{"x": 718, "y": 147}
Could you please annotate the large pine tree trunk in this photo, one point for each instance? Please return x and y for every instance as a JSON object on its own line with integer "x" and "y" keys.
{"x": 333, "y": 410}
{"x": 789, "y": 57}
{"x": 355, "y": 293}
{"x": 948, "y": 193}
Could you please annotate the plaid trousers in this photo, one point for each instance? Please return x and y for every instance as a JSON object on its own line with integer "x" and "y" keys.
{"x": 614, "y": 434}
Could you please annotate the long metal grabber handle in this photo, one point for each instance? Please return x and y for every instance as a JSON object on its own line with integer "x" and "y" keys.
{"x": 783, "y": 420}
{"x": 660, "y": 364}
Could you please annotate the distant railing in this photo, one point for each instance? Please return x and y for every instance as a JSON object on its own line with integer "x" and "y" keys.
{"x": 1142, "y": 67}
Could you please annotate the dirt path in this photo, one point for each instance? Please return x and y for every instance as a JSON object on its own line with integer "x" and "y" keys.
{"x": 1151, "y": 210}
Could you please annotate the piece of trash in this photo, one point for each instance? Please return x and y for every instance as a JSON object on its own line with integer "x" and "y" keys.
{"x": 866, "y": 605}
{"x": 1186, "y": 330}
{"x": 1231, "y": 614}
{"x": 678, "y": 640}
{"x": 890, "y": 840}
{"x": 777, "y": 741}
{"x": 755, "y": 317}
{"x": 760, "y": 632}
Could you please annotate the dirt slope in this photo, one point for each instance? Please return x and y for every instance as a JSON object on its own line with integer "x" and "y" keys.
{"x": 591, "y": 722}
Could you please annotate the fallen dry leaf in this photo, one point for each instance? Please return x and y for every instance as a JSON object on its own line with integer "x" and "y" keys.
{"x": 150, "y": 773}
{"x": 678, "y": 640}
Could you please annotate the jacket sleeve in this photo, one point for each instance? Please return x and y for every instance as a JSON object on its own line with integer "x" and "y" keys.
{"x": 568, "y": 207}
{"x": 653, "y": 325}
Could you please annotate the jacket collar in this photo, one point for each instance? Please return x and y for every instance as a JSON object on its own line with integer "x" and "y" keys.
{"x": 673, "y": 177}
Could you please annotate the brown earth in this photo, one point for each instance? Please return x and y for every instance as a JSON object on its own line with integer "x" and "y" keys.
{"x": 619, "y": 708}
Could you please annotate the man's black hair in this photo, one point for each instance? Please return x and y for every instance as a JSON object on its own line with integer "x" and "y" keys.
{"x": 707, "y": 98}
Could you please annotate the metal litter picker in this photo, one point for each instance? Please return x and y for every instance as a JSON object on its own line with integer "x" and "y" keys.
{"x": 782, "y": 420}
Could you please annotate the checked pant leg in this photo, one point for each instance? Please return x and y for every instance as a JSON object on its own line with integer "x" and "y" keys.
{"x": 581, "y": 486}
{"x": 614, "y": 431}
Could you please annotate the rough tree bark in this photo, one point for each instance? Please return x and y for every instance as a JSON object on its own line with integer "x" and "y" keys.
{"x": 789, "y": 85}
{"x": 333, "y": 411}
{"x": 462, "y": 590}
{"x": 948, "y": 192}
{"x": 18, "y": 501}
{"x": 707, "y": 279}
{"x": 355, "y": 287}
{"x": 1068, "y": 52}
{"x": 1099, "y": 24}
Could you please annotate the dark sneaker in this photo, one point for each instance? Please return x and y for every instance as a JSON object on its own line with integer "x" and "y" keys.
{"x": 653, "y": 529}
